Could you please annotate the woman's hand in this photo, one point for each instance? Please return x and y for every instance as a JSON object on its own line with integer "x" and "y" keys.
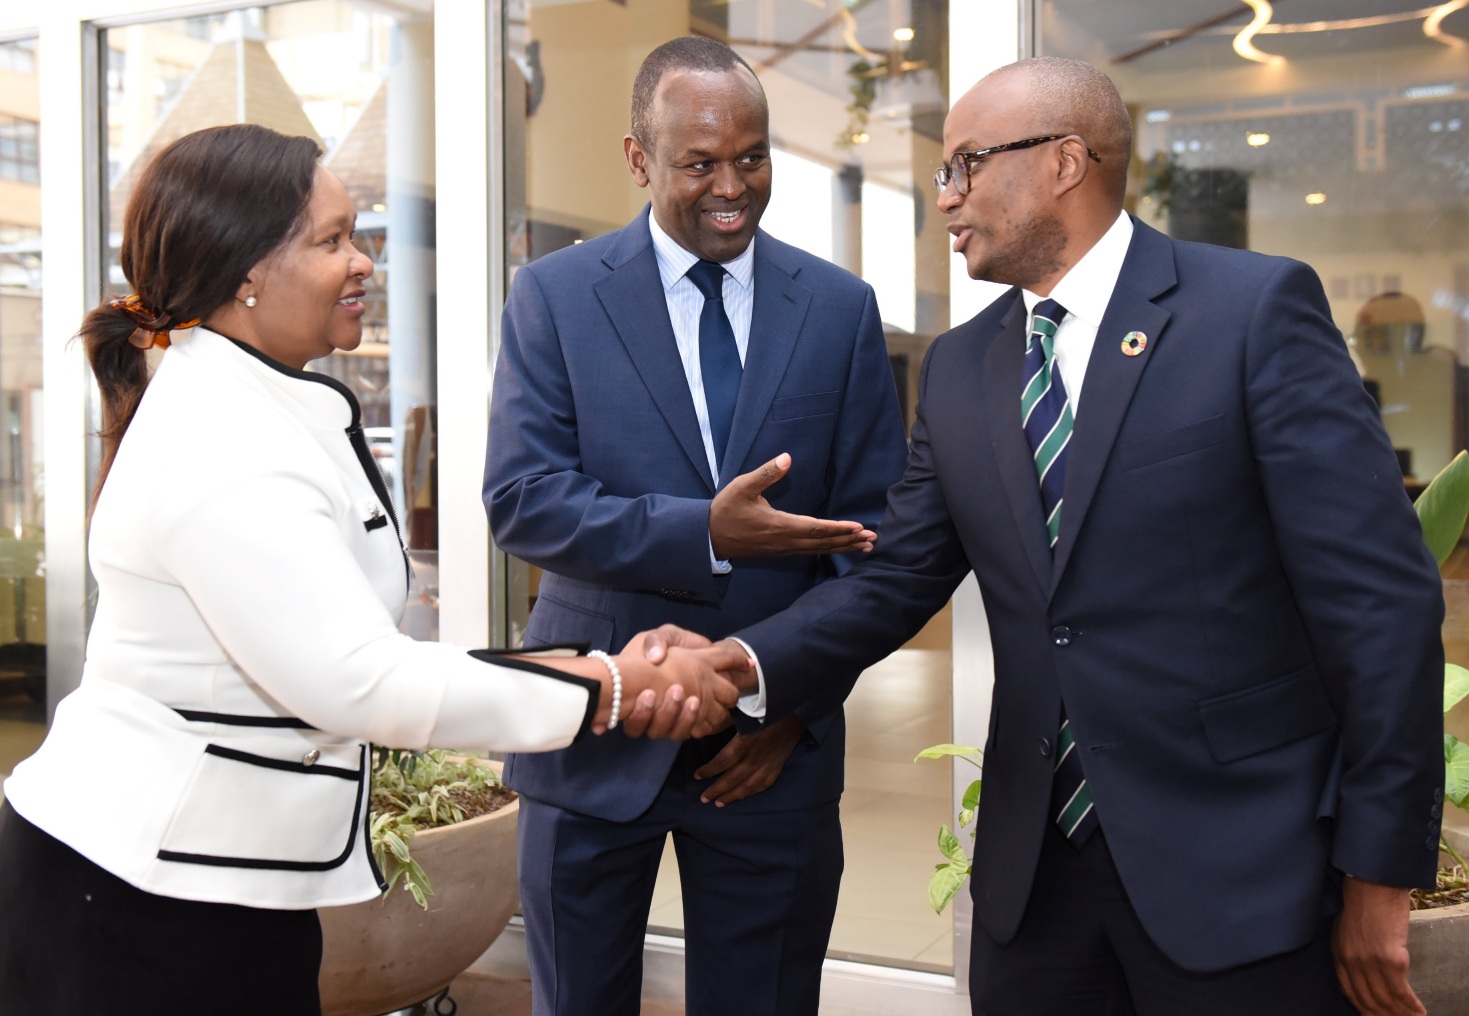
{"x": 683, "y": 696}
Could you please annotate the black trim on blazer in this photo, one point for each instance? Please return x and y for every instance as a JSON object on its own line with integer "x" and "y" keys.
{"x": 243, "y": 720}
{"x": 354, "y": 433}
{"x": 220, "y": 861}
{"x": 593, "y": 688}
{"x": 267, "y": 762}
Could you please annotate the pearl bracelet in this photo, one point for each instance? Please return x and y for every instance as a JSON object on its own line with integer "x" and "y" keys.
{"x": 611, "y": 664}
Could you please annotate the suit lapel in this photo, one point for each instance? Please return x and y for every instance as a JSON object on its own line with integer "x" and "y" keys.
{"x": 1112, "y": 377}
{"x": 632, "y": 294}
{"x": 775, "y": 325}
{"x": 1004, "y": 362}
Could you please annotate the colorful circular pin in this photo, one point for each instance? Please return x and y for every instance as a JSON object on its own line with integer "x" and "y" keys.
{"x": 1134, "y": 343}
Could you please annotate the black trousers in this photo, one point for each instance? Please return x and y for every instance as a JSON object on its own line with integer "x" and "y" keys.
{"x": 1081, "y": 951}
{"x": 78, "y": 941}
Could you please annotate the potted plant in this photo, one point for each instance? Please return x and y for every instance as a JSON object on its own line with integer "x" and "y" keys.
{"x": 432, "y": 812}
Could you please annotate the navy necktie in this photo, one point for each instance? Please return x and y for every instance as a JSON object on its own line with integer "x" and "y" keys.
{"x": 719, "y": 357}
{"x": 1045, "y": 412}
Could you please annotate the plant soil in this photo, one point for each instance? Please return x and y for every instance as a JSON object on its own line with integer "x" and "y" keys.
{"x": 474, "y": 805}
{"x": 1453, "y": 888}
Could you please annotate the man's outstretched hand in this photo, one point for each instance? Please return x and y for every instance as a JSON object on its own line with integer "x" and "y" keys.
{"x": 743, "y": 524}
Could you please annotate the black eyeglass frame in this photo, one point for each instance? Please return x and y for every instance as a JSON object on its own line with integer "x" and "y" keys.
{"x": 958, "y": 168}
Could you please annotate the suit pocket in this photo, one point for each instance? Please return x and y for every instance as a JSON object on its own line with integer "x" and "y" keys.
{"x": 799, "y": 407}
{"x": 245, "y": 809}
{"x": 554, "y": 621}
{"x": 1171, "y": 444}
{"x": 1245, "y": 723}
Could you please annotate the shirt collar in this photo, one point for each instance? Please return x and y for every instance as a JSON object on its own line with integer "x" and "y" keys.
{"x": 674, "y": 262}
{"x": 1086, "y": 289}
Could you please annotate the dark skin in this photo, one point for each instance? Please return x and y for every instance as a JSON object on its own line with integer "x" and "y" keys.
{"x": 706, "y": 166}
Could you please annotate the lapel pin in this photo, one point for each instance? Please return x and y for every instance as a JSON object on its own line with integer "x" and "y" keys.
{"x": 1134, "y": 343}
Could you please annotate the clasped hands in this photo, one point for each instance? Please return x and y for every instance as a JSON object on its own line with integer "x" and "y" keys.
{"x": 676, "y": 685}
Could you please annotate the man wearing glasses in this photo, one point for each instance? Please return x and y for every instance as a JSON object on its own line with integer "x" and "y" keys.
{"x": 1213, "y": 763}
{"x": 679, "y": 407}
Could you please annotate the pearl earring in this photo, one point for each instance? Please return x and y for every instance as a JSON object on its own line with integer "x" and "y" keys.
{"x": 249, "y": 301}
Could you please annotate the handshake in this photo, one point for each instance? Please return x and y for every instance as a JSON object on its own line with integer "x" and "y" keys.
{"x": 676, "y": 685}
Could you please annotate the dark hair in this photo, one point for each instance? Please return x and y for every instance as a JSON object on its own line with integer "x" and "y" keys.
{"x": 688, "y": 53}
{"x": 205, "y": 211}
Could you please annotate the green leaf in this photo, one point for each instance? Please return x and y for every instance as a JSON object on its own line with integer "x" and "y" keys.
{"x": 950, "y": 846}
{"x": 966, "y": 816}
{"x": 971, "y": 797}
{"x": 1456, "y": 770}
{"x": 945, "y": 750}
{"x": 1455, "y": 685}
{"x": 1443, "y": 507}
{"x": 945, "y": 884}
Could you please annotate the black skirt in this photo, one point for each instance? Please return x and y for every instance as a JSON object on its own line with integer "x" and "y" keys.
{"x": 78, "y": 941}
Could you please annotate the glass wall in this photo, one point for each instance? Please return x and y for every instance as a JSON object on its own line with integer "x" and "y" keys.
{"x": 360, "y": 83}
{"x": 22, "y": 480}
{"x": 1333, "y": 131}
{"x": 857, "y": 92}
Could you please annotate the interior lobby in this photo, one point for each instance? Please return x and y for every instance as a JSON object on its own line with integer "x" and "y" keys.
{"x": 476, "y": 136}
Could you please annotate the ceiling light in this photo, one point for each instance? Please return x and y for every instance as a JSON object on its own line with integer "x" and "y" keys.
{"x": 379, "y": 207}
{"x": 1243, "y": 44}
{"x": 1159, "y": 116}
{"x": 861, "y": 138}
{"x": 1432, "y": 24}
{"x": 1256, "y": 139}
{"x": 903, "y": 34}
{"x": 1427, "y": 91}
{"x": 1315, "y": 198}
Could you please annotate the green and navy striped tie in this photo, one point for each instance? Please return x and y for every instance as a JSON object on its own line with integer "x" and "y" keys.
{"x": 1045, "y": 412}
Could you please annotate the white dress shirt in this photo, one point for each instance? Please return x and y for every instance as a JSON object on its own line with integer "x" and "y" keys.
{"x": 1084, "y": 291}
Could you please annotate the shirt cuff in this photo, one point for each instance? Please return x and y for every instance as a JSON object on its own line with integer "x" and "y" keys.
{"x": 717, "y": 566}
{"x": 753, "y": 704}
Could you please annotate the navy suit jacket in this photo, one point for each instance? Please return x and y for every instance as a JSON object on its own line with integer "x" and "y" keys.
{"x": 1240, "y": 613}
{"x": 597, "y": 473}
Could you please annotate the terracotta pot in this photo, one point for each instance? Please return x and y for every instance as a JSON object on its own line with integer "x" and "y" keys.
{"x": 1438, "y": 942}
{"x": 387, "y": 954}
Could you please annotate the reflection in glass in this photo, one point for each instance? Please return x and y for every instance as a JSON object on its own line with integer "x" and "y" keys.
{"x": 22, "y": 476}
{"x": 360, "y": 84}
{"x": 1339, "y": 136}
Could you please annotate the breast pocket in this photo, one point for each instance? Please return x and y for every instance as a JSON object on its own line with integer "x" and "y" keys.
{"x": 801, "y": 407}
{"x": 1151, "y": 449}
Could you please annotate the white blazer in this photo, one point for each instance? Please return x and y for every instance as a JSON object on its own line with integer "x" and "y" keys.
{"x": 245, "y": 649}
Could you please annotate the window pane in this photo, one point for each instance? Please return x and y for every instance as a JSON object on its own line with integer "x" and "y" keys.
{"x": 856, "y": 124}
{"x": 329, "y": 70}
{"x": 22, "y": 478}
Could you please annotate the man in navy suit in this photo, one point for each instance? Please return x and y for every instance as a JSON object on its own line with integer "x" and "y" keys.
{"x": 1213, "y": 765}
{"x": 678, "y": 408}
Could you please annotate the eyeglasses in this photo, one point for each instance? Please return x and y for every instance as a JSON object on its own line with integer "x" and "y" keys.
{"x": 958, "y": 168}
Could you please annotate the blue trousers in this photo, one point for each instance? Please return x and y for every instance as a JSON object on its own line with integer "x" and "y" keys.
{"x": 759, "y": 896}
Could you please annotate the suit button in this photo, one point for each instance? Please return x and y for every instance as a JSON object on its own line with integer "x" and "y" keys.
{"x": 1061, "y": 635}
{"x": 1431, "y": 843}
{"x": 1436, "y": 811}
{"x": 309, "y": 759}
{"x": 1438, "y": 795}
{"x": 1045, "y": 747}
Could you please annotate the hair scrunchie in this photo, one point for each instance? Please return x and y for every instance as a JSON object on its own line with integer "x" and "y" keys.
{"x": 152, "y": 328}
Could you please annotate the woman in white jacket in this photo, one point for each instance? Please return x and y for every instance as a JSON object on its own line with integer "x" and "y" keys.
{"x": 245, "y": 650}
